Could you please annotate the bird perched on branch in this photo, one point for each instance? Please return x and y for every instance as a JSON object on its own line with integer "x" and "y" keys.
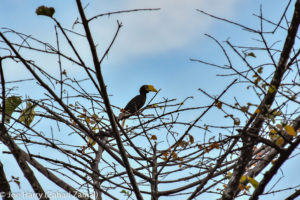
{"x": 137, "y": 102}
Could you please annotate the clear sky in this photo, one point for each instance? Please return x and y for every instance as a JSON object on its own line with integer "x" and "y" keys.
{"x": 152, "y": 47}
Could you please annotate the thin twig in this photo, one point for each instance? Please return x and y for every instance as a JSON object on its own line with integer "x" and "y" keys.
{"x": 122, "y": 11}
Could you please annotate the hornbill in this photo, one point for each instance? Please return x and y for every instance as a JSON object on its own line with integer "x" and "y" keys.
{"x": 137, "y": 102}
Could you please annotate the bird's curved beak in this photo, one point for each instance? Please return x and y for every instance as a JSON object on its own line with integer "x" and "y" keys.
{"x": 151, "y": 88}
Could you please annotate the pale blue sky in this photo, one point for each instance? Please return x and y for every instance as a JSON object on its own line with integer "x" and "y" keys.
{"x": 154, "y": 46}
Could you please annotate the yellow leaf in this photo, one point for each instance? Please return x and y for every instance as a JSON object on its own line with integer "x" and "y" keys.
{"x": 276, "y": 113}
{"x": 88, "y": 120}
{"x": 27, "y": 114}
{"x": 91, "y": 142}
{"x": 243, "y": 179}
{"x": 11, "y": 103}
{"x": 253, "y": 182}
{"x": 290, "y": 130}
{"x": 280, "y": 141}
{"x": 81, "y": 116}
{"x": 257, "y": 111}
{"x": 273, "y": 131}
{"x": 229, "y": 174}
{"x": 272, "y": 89}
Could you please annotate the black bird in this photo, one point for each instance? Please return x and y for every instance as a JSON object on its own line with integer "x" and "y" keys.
{"x": 137, "y": 102}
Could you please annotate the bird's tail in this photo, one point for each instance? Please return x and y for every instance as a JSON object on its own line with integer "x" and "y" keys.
{"x": 123, "y": 123}
{"x": 121, "y": 115}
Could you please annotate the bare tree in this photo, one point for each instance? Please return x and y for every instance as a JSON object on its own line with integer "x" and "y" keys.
{"x": 72, "y": 136}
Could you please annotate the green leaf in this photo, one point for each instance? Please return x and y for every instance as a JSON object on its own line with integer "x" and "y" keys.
{"x": 46, "y": 11}
{"x": 27, "y": 114}
{"x": 11, "y": 103}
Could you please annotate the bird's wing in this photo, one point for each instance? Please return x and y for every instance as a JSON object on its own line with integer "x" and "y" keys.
{"x": 135, "y": 104}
